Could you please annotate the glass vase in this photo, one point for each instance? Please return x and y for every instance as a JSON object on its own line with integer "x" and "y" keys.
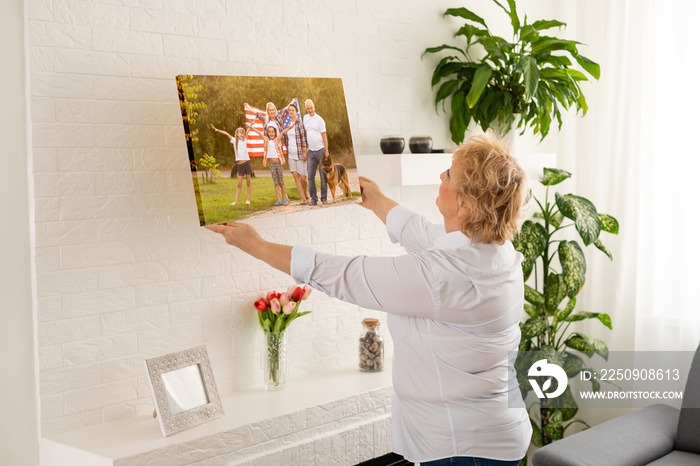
{"x": 274, "y": 359}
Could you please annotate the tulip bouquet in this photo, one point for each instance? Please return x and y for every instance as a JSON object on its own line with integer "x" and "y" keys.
{"x": 275, "y": 312}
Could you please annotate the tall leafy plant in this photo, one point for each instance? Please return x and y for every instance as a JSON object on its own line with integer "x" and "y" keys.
{"x": 559, "y": 268}
{"x": 490, "y": 80}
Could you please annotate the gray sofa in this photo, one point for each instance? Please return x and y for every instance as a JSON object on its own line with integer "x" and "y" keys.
{"x": 658, "y": 435}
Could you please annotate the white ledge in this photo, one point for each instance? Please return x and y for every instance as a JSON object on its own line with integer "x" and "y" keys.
{"x": 317, "y": 405}
{"x": 404, "y": 169}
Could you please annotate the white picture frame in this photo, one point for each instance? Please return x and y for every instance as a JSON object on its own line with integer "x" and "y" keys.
{"x": 184, "y": 391}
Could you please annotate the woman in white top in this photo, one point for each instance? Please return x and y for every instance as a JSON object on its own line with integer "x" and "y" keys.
{"x": 454, "y": 303}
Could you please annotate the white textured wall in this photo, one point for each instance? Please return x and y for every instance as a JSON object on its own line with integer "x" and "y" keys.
{"x": 19, "y": 433}
{"x": 123, "y": 269}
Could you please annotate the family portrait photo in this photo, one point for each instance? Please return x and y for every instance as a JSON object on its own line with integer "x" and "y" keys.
{"x": 262, "y": 146}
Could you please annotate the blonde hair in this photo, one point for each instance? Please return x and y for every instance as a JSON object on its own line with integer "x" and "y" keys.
{"x": 239, "y": 131}
{"x": 492, "y": 185}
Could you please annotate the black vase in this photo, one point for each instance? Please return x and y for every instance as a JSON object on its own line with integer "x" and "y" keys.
{"x": 420, "y": 144}
{"x": 392, "y": 145}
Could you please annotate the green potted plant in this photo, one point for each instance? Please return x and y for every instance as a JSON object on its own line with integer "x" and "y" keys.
{"x": 551, "y": 300}
{"x": 490, "y": 80}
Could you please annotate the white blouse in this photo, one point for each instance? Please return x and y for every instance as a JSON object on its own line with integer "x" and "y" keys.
{"x": 454, "y": 311}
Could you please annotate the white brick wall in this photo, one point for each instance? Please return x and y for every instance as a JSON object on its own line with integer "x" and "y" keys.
{"x": 123, "y": 270}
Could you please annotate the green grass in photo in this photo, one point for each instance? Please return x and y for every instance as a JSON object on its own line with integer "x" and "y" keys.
{"x": 217, "y": 197}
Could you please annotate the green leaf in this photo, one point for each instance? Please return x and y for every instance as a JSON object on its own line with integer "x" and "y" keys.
{"x": 481, "y": 79}
{"x": 554, "y": 429}
{"x": 572, "y": 365}
{"x": 536, "y": 434}
{"x": 568, "y": 404}
{"x": 579, "y": 344}
{"x": 266, "y": 325}
{"x": 568, "y": 309}
{"x": 460, "y": 113}
{"x": 547, "y": 24}
{"x": 442, "y": 47}
{"x": 533, "y": 296}
{"x": 581, "y": 103}
{"x": 531, "y": 75}
{"x": 466, "y": 14}
{"x": 531, "y": 242}
{"x": 588, "y": 65}
{"x": 609, "y": 224}
{"x": 547, "y": 44}
{"x": 556, "y": 220}
{"x": 553, "y": 176}
{"x": 470, "y": 31}
{"x": 445, "y": 90}
{"x": 593, "y": 345}
{"x": 583, "y": 213}
{"x": 604, "y": 318}
{"x": 531, "y": 310}
{"x": 554, "y": 292}
{"x": 514, "y": 20}
{"x": 446, "y": 68}
{"x": 599, "y": 244}
{"x": 533, "y": 328}
{"x": 576, "y": 75}
{"x": 573, "y": 265}
{"x": 556, "y": 60}
{"x": 527, "y": 33}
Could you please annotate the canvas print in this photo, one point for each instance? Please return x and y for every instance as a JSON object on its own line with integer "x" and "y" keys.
{"x": 263, "y": 146}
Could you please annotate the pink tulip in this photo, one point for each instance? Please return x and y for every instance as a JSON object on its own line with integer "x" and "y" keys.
{"x": 284, "y": 299}
{"x": 275, "y": 305}
{"x": 289, "y": 307}
{"x": 270, "y": 296}
{"x": 290, "y": 290}
{"x": 307, "y": 292}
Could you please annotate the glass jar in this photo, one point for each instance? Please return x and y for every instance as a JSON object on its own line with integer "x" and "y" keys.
{"x": 371, "y": 347}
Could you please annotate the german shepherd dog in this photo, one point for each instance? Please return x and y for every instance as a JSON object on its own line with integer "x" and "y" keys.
{"x": 336, "y": 174}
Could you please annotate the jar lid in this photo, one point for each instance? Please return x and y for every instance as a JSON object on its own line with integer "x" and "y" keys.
{"x": 371, "y": 323}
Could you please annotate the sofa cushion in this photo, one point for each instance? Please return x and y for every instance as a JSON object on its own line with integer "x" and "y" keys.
{"x": 635, "y": 438}
{"x": 688, "y": 437}
{"x": 677, "y": 458}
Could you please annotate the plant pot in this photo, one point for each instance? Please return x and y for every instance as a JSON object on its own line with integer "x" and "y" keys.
{"x": 420, "y": 144}
{"x": 392, "y": 145}
{"x": 274, "y": 360}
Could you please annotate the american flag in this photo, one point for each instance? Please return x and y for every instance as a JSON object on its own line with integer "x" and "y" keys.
{"x": 255, "y": 142}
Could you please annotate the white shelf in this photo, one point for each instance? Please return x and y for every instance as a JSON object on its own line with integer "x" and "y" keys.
{"x": 404, "y": 169}
{"x": 331, "y": 399}
{"x": 425, "y": 169}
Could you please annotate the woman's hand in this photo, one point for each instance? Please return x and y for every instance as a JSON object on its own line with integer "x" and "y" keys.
{"x": 374, "y": 199}
{"x": 213, "y": 127}
{"x": 240, "y": 235}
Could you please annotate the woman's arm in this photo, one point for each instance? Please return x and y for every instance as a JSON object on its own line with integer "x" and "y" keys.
{"x": 399, "y": 285}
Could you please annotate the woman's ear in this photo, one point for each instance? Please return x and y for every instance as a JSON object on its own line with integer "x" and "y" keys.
{"x": 464, "y": 206}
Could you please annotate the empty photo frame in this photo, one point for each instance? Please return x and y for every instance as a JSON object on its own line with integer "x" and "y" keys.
{"x": 184, "y": 391}
{"x": 226, "y": 120}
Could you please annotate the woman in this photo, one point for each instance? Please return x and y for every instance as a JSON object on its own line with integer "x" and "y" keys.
{"x": 297, "y": 147}
{"x": 454, "y": 304}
